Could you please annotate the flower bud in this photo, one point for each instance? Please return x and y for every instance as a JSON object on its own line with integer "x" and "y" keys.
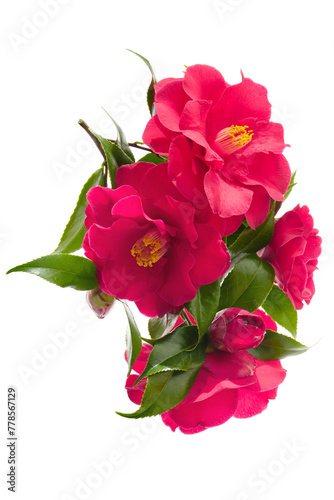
{"x": 235, "y": 329}
{"x": 100, "y": 302}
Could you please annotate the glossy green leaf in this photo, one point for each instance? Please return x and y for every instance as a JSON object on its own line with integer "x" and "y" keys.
{"x": 164, "y": 391}
{"x": 158, "y": 327}
{"x": 248, "y": 284}
{"x": 106, "y": 149}
{"x": 277, "y": 346}
{"x": 133, "y": 339}
{"x": 150, "y": 98}
{"x": 205, "y": 305}
{"x": 151, "y": 91}
{"x": 74, "y": 232}
{"x": 280, "y": 308}
{"x": 175, "y": 352}
{"x": 229, "y": 240}
{"x": 64, "y": 270}
{"x": 153, "y": 158}
{"x": 291, "y": 185}
{"x": 252, "y": 240}
{"x": 120, "y": 156}
{"x": 121, "y": 141}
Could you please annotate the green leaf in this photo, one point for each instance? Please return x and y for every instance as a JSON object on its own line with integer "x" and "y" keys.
{"x": 291, "y": 185}
{"x": 153, "y": 158}
{"x": 280, "y": 308}
{"x": 133, "y": 339}
{"x": 158, "y": 327}
{"x": 63, "y": 270}
{"x": 121, "y": 141}
{"x": 277, "y": 346}
{"x": 164, "y": 391}
{"x": 74, "y": 232}
{"x": 106, "y": 149}
{"x": 120, "y": 156}
{"x": 229, "y": 240}
{"x": 175, "y": 352}
{"x": 252, "y": 240}
{"x": 247, "y": 285}
{"x": 150, "y": 98}
{"x": 204, "y": 306}
{"x": 151, "y": 91}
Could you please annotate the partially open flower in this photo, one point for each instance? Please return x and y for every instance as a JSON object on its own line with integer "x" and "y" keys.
{"x": 234, "y": 329}
{"x": 100, "y": 302}
{"x": 293, "y": 252}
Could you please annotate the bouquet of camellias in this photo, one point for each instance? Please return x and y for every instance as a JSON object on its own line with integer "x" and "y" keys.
{"x": 192, "y": 234}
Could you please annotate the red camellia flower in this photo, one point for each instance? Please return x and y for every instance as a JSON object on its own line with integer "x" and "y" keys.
{"x": 221, "y": 145}
{"x": 228, "y": 385}
{"x": 293, "y": 252}
{"x": 235, "y": 329}
{"x": 146, "y": 242}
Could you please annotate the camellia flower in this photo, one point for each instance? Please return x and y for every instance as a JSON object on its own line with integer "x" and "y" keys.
{"x": 228, "y": 385}
{"x": 293, "y": 252}
{"x": 146, "y": 242}
{"x": 220, "y": 143}
{"x": 235, "y": 329}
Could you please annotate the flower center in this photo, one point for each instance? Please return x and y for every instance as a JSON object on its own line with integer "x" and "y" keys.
{"x": 230, "y": 139}
{"x": 150, "y": 248}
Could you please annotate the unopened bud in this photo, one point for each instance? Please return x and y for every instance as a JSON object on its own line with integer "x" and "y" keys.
{"x": 235, "y": 329}
{"x": 100, "y": 302}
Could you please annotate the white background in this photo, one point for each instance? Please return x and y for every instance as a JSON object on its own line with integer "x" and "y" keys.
{"x": 67, "y": 68}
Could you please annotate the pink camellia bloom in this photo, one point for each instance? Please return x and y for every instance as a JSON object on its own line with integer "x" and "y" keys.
{"x": 293, "y": 252}
{"x": 235, "y": 329}
{"x": 228, "y": 385}
{"x": 146, "y": 242}
{"x": 220, "y": 143}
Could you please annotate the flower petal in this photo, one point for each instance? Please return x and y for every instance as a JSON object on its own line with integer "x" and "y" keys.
{"x": 170, "y": 100}
{"x": 226, "y": 198}
{"x": 157, "y": 136}
{"x": 211, "y": 256}
{"x": 204, "y": 82}
{"x": 196, "y": 417}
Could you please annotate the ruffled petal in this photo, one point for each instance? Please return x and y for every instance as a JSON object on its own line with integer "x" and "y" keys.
{"x": 152, "y": 305}
{"x": 196, "y": 417}
{"x": 226, "y": 198}
{"x": 268, "y": 137}
{"x": 170, "y": 100}
{"x": 231, "y": 366}
{"x": 187, "y": 171}
{"x": 259, "y": 208}
{"x": 211, "y": 256}
{"x": 204, "y": 82}
{"x": 238, "y": 102}
{"x": 250, "y": 403}
{"x": 135, "y": 394}
{"x": 270, "y": 171}
{"x": 157, "y": 136}
{"x": 177, "y": 287}
{"x": 132, "y": 175}
{"x": 101, "y": 200}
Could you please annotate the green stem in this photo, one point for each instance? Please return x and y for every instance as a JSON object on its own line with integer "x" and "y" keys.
{"x": 135, "y": 145}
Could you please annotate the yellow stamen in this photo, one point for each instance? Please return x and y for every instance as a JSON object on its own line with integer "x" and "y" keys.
{"x": 230, "y": 139}
{"x": 150, "y": 248}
